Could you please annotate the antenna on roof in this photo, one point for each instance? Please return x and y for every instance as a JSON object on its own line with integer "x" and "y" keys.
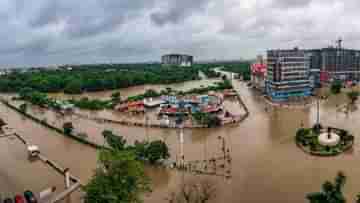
{"x": 339, "y": 43}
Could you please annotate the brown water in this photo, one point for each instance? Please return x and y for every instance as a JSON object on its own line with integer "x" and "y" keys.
{"x": 266, "y": 164}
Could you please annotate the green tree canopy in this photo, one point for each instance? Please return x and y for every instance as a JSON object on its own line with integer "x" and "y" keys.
{"x": 116, "y": 97}
{"x": 331, "y": 192}
{"x": 74, "y": 87}
{"x": 115, "y": 142}
{"x": 120, "y": 178}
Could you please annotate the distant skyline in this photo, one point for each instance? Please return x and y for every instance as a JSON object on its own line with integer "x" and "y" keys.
{"x": 47, "y": 32}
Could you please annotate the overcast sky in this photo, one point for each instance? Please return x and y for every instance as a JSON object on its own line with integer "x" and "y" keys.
{"x": 44, "y": 32}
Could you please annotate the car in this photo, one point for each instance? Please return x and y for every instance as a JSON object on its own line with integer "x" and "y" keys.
{"x": 30, "y": 197}
{"x": 19, "y": 199}
{"x": 8, "y": 200}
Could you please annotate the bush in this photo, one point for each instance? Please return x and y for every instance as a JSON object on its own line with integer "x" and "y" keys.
{"x": 207, "y": 119}
{"x": 336, "y": 87}
{"x": 95, "y": 104}
{"x": 74, "y": 87}
{"x": 353, "y": 96}
{"x": 116, "y": 142}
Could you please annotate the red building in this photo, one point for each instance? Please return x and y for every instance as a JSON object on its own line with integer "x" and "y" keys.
{"x": 258, "y": 74}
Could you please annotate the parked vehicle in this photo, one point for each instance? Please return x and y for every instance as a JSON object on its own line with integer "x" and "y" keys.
{"x": 30, "y": 197}
{"x": 8, "y": 200}
{"x": 19, "y": 199}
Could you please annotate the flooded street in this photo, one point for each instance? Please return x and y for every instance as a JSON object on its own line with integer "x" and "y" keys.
{"x": 266, "y": 164}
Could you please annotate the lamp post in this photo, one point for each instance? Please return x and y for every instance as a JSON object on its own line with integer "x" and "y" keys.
{"x": 317, "y": 111}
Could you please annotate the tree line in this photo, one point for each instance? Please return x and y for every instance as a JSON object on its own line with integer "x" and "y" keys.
{"x": 78, "y": 80}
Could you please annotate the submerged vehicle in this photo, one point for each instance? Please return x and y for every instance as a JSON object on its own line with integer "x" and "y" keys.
{"x": 30, "y": 197}
{"x": 8, "y": 200}
{"x": 19, "y": 199}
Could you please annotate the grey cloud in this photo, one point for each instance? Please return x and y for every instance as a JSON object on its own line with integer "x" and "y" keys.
{"x": 92, "y": 19}
{"x": 67, "y": 31}
{"x": 50, "y": 13}
{"x": 291, "y": 3}
{"x": 35, "y": 47}
{"x": 177, "y": 11}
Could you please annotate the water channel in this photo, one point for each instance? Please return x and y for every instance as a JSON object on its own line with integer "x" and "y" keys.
{"x": 266, "y": 164}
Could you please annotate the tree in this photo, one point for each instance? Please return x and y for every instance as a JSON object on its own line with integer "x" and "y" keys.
{"x": 157, "y": 150}
{"x": 23, "y": 107}
{"x": 336, "y": 87}
{"x": 74, "y": 87}
{"x": 353, "y": 96}
{"x": 120, "y": 178}
{"x": 115, "y": 142}
{"x": 116, "y": 97}
{"x": 25, "y": 92}
{"x": 207, "y": 119}
{"x": 331, "y": 192}
{"x": 68, "y": 128}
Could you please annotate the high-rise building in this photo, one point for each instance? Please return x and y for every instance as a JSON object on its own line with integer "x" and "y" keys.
{"x": 288, "y": 74}
{"x": 177, "y": 60}
{"x": 336, "y": 63}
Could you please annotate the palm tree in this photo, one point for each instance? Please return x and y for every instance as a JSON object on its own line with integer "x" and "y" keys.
{"x": 331, "y": 192}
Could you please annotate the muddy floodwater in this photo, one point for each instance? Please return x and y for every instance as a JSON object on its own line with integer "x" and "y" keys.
{"x": 266, "y": 164}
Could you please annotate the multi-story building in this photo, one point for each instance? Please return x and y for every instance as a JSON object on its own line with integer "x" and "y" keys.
{"x": 177, "y": 60}
{"x": 336, "y": 63}
{"x": 288, "y": 74}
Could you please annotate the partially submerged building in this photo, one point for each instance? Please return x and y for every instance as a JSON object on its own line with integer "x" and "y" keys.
{"x": 177, "y": 60}
{"x": 287, "y": 74}
{"x": 258, "y": 75}
{"x": 336, "y": 63}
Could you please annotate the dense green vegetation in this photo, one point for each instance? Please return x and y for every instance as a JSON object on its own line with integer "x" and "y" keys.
{"x": 37, "y": 98}
{"x": 120, "y": 178}
{"x": 241, "y": 68}
{"x": 91, "y": 104}
{"x": 41, "y": 99}
{"x": 307, "y": 139}
{"x": 152, "y": 152}
{"x": 114, "y": 141}
{"x": 331, "y": 191}
{"x": 95, "y": 78}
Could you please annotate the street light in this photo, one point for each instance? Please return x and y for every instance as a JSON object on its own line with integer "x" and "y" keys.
{"x": 318, "y": 111}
